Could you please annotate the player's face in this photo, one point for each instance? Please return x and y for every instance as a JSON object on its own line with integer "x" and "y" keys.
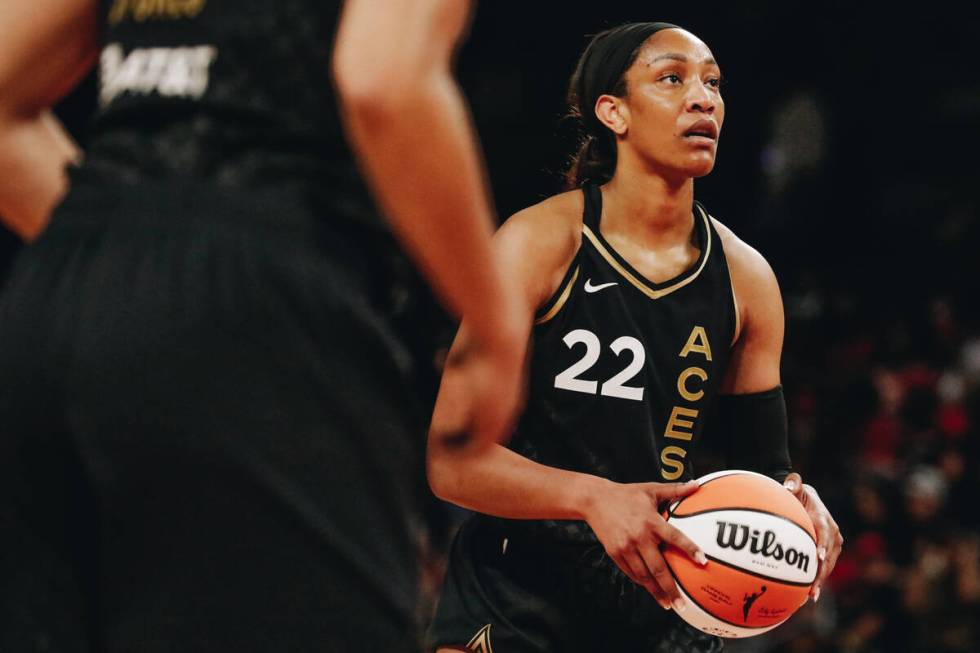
{"x": 674, "y": 109}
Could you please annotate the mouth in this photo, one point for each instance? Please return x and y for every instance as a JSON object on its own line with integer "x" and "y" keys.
{"x": 703, "y": 131}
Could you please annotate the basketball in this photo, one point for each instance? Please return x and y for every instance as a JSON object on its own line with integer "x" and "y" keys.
{"x": 761, "y": 550}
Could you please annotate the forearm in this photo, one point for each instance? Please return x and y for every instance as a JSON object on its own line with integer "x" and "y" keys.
{"x": 503, "y": 483}
{"x": 758, "y": 437}
{"x": 48, "y": 46}
{"x": 34, "y": 151}
{"x": 419, "y": 154}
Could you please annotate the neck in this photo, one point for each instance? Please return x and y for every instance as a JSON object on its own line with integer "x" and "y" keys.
{"x": 648, "y": 206}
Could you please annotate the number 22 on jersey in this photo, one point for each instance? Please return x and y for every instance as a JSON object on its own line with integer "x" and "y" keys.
{"x": 613, "y": 387}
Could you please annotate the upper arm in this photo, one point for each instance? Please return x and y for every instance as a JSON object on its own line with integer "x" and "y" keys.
{"x": 535, "y": 246}
{"x": 532, "y": 251}
{"x": 754, "y": 365}
{"x": 46, "y": 47}
{"x": 385, "y": 47}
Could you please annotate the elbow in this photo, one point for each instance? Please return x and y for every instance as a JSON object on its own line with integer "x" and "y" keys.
{"x": 9, "y": 112}
{"x": 442, "y": 477}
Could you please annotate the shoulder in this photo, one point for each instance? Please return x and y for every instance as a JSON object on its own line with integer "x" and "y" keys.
{"x": 754, "y": 283}
{"x": 555, "y": 222}
{"x": 539, "y": 243}
{"x": 745, "y": 262}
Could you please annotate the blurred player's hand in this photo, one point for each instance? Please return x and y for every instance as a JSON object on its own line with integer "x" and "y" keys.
{"x": 486, "y": 376}
{"x": 829, "y": 540}
{"x": 626, "y": 519}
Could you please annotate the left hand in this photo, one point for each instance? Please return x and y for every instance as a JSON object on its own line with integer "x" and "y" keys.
{"x": 829, "y": 540}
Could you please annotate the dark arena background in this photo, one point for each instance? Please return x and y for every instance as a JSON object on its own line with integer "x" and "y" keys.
{"x": 848, "y": 158}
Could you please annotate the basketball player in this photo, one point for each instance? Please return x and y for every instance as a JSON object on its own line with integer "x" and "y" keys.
{"x": 645, "y": 313}
{"x": 207, "y": 437}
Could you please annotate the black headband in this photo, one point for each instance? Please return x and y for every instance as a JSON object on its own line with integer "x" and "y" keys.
{"x": 606, "y": 61}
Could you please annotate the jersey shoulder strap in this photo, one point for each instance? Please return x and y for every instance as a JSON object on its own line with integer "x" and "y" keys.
{"x": 554, "y": 304}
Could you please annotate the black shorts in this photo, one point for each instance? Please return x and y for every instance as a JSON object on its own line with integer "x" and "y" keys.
{"x": 508, "y": 590}
{"x": 208, "y": 437}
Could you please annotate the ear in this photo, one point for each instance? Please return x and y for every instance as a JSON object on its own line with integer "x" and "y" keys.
{"x": 613, "y": 113}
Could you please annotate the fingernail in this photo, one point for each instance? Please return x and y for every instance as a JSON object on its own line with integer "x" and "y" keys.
{"x": 679, "y": 605}
{"x": 791, "y": 486}
{"x": 816, "y": 595}
{"x": 665, "y": 606}
{"x": 701, "y": 558}
{"x": 822, "y": 553}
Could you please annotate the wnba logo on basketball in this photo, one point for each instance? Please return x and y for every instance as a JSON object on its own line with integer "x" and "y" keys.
{"x": 737, "y": 536}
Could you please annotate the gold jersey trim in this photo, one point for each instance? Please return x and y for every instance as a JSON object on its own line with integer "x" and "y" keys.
{"x": 738, "y": 315}
{"x": 652, "y": 293}
{"x": 481, "y": 641}
{"x": 562, "y": 298}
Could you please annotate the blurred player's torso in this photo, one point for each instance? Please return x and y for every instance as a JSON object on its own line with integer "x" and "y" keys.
{"x": 623, "y": 370}
{"x": 229, "y": 93}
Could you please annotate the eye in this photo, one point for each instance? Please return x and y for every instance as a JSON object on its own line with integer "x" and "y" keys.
{"x": 672, "y": 77}
{"x": 716, "y": 82}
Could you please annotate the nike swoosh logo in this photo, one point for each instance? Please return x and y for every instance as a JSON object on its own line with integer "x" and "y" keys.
{"x": 590, "y": 288}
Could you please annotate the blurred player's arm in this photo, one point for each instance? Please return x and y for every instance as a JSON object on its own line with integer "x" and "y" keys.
{"x": 46, "y": 47}
{"x": 413, "y": 137}
{"x": 411, "y": 132}
{"x": 753, "y": 404}
{"x": 533, "y": 250}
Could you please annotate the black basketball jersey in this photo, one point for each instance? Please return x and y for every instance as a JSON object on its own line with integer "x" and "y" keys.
{"x": 624, "y": 369}
{"x": 235, "y": 93}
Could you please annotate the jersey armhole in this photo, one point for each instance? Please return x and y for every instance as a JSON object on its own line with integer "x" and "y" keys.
{"x": 737, "y": 331}
{"x": 551, "y": 307}
{"x": 738, "y": 317}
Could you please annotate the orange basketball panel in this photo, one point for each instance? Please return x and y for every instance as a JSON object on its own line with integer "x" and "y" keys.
{"x": 746, "y": 491}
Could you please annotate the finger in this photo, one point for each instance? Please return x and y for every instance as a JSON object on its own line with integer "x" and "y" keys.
{"x": 794, "y": 483}
{"x": 627, "y": 568}
{"x": 640, "y": 575}
{"x": 657, "y": 566}
{"x": 835, "y": 543}
{"x": 822, "y": 531}
{"x": 674, "y": 537}
{"x": 671, "y": 491}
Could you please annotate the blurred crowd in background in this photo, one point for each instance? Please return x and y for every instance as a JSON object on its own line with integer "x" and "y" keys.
{"x": 848, "y": 159}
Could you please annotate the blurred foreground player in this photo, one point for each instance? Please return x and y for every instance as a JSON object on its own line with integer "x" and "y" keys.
{"x": 208, "y": 441}
{"x": 646, "y": 314}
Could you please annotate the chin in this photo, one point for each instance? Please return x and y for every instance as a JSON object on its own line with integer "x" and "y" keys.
{"x": 687, "y": 167}
{"x": 703, "y": 171}
{"x": 700, "y": 167}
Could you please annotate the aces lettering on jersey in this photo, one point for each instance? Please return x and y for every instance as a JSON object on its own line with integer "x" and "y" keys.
{"x": 181, "y": 72}
{"x": 680, "y": 424}
{"x": 690, "y": 384}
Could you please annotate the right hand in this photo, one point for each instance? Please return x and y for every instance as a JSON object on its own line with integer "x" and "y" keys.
{"x": 626, "y": 520}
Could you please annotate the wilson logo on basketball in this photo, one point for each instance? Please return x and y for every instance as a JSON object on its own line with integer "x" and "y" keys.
{"x": 738, "y": 536}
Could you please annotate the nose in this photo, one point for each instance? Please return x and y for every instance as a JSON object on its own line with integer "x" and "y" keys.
{"x": 699, "y": 98}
